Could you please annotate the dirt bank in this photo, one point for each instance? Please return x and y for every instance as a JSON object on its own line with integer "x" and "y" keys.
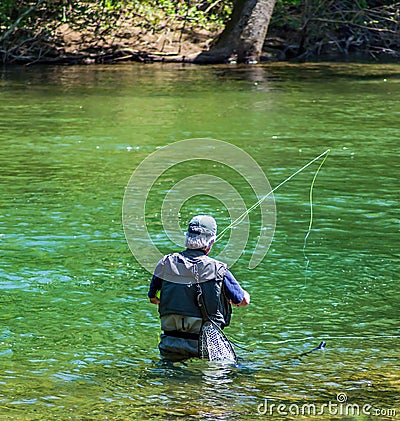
{"x": 131, "y": 37}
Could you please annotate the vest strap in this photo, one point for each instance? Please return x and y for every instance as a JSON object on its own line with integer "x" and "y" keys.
{"x": 201, "y": 303}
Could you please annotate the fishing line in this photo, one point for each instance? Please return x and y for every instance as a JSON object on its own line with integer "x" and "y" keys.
{"x": 321, "y": 346}
{"x": 250, "y": 347}
{"x": 307, "y": 338}
{"x": 238, "y": 220}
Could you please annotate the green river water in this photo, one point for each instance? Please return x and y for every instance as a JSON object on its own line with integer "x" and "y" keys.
{"x": 78, "y": 338}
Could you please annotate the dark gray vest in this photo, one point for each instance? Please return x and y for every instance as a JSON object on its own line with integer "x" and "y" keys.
{"x": 179, "y": 291}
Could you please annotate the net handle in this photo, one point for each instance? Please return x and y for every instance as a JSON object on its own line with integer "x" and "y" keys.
{"x": 200, "y": 298}
{"x": 201, "y": 304}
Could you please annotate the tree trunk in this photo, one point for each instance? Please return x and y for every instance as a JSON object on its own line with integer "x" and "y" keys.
{"x": 244, "y": 34}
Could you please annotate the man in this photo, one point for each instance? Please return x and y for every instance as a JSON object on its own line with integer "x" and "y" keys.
{"x": 176, "y": 277}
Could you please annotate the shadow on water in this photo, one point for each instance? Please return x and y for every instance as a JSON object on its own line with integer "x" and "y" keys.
{"x": 217, "y": 390}
{"x": 199, "y": 388}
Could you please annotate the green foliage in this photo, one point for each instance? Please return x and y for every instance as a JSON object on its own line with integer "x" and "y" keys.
{"x": 6, "y": 7}
{"x": 10, "y": 10}
{"x": 287, "y": 15}
{"x": 156, "y": 13}
{"x": 107, "y": 12}
{"x": 286, "y": 3}
{"x": 202, "y": 12}
{"x": 5, "y": 12}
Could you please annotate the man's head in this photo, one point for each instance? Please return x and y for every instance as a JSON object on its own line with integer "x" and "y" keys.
{"x": 201, "y": 233}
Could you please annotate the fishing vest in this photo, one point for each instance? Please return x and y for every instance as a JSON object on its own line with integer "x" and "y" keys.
{"x": 179, "y": 291}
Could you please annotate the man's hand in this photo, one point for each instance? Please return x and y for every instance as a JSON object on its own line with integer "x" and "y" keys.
{"x": 245, "y": 301}
{"x": 154, "y": 300}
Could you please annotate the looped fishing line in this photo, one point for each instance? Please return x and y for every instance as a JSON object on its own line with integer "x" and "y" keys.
{"x": 238, "y": 220}
{"x": 311, "y": 216}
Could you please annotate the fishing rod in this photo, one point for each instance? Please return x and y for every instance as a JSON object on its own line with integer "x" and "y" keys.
{"x": 239, "y": 219}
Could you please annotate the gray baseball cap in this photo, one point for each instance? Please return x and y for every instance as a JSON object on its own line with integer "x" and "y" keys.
{"x": 202, "y": 224}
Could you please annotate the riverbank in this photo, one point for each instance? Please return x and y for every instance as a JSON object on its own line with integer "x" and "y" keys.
{"x": 179, "y": 45}
{"x": 131, "y": 43}
{"x": 97, "y": 35}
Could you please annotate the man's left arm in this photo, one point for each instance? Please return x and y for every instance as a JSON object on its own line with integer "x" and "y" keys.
{"x": 234, "y": 292}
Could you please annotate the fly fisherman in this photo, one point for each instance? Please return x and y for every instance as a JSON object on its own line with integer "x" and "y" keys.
{"x": 176, "y": 276}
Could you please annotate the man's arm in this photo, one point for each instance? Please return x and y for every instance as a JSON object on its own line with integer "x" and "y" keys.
{"x": 155, "y": 286}
{"x": 245, "y": 301}
{"x": 234, "y": 292}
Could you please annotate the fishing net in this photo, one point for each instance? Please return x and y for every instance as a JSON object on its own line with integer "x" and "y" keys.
{"x": 214, "y": 345}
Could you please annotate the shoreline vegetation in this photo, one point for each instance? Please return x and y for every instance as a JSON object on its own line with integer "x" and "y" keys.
{"x": 111, "y": 31}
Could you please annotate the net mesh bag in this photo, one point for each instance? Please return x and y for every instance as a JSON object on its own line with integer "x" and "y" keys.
{"x": 214, "y": 345}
